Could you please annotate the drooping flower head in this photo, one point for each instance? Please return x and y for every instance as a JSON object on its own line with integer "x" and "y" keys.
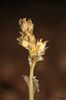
{"x": 36, "y": 48}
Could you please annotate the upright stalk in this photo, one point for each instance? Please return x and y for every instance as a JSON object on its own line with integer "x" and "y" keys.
{"x": 31, "y": 92}
{"x": 36, "y": 49}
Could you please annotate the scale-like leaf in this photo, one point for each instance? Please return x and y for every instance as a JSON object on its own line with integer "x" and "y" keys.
{"x": 29, "y": 60}
{"x": 36, "y": 84}
{"x": 40, "y": 58}
{"x": 26, "y": 78}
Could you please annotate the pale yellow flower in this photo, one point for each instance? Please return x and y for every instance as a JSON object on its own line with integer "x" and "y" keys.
{"x": 25, "y": 44}
{"x": 33, "y": 48}
{"x": 42, "y": 48}
{"x": 30, "y": 26}
{"x": 26, "y": 25}
{"x": 27, "y": 39}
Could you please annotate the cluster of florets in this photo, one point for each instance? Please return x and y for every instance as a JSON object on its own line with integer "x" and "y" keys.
{"x": 35, "y": 47}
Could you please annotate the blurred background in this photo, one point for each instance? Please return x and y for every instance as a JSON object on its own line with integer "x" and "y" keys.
{"x": 49, "y": 20}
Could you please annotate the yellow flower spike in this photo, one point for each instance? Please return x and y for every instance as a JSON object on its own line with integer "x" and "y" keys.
{"x": 20, "y": 37}
{"x": 41, "y": 40}
{"x": 33, "y": 48}
{"x": 27, "y": 33}
{"x": 24, "y": 19}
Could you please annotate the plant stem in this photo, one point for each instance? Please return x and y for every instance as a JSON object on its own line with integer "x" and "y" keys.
{"x": 31, "y": 93}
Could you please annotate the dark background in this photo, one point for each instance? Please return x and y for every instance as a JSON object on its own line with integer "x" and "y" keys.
{"x": 49, "y": 18}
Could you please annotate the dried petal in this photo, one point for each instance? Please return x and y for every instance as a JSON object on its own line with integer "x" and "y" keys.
{"x": 30, "y": 26}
